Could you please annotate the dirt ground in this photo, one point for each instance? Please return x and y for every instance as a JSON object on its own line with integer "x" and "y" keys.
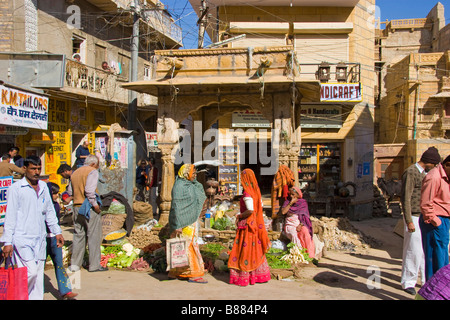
{"x": 373, "y": 274}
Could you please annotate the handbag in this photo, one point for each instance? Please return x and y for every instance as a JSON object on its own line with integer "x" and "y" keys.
{"x": 177, "y": 253}
{"x": 13, "y": 281}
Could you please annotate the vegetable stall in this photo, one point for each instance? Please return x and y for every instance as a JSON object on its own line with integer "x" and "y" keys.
{"x": 144, "y": 249}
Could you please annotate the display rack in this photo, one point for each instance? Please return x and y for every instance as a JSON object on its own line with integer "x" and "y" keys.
{"x": 318, "y": 162}
{"x": 229, "y": 170}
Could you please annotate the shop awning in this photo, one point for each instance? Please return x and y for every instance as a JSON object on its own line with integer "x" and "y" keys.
{"x": 152, "y": 86}
{"x": 443, "y": 94}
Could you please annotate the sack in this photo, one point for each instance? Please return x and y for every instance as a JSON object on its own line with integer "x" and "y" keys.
{"x": 112, "y": 222}
{"x": 177, "y": 253}
{"x": 13, "y": 282}
{"x": 143, "y": 212}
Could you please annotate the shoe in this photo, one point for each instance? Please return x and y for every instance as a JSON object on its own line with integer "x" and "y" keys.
{"x": 100, "y": 269}
{"x": 197, "y": 280}
{"x": 74, "y": 268}
{"x": 410, "y": 290}
{"x": 70, "y": 296}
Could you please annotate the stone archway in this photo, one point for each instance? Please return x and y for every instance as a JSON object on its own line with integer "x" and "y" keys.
{"x": 274, "y": 106}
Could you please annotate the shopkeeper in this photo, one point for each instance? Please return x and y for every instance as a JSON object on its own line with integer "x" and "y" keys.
{"x": 81, "y": 153}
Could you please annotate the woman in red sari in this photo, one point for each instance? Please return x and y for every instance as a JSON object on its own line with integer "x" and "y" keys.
{"x": 247, "y": 261}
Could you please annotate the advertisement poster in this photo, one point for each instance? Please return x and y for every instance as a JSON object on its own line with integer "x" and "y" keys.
{"x": 5, "y": 183}
{"x": 152, "y": 141}
{"x": 57, "y": 154}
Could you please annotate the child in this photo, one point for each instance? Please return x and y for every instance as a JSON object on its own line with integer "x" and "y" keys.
{"x": 55, "y": 253}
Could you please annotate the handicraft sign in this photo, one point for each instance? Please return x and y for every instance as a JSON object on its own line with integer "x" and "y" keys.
{"x": 321, "y": 116}
{"x": 340, "y": 92}
{"x": 23, "y": 109}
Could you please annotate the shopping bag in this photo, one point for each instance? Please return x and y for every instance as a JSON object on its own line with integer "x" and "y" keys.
{"x": 13, "y": 281}
{"x": 177, "y": 253}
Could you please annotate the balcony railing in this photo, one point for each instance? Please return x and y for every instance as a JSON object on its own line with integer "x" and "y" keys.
{"x": 163, "y": 23}
{"x": 81, "y": 76}
{"x": 98, "y": 83}
{"x": 408, "y": 23}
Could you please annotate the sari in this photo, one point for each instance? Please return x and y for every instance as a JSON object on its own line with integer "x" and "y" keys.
{"x": 247, "y": 261}
{"x": 299, "y": 214}
{"x": 188, "y": 198}
{"x": 196, "y": 265}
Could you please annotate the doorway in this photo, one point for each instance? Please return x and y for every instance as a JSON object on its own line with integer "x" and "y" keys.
{"x": 253, "y": 160}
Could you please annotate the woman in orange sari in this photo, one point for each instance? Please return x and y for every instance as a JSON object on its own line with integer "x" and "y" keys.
{"x": 247, "y": 261}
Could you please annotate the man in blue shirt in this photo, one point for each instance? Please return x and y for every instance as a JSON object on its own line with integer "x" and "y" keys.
{"x": 81, "y": 153}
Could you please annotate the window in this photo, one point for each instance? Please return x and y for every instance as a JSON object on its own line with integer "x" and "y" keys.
{"x": 124, "y": 66}
{"x": 78, "y": 48}
{"x": 100, "y": 56}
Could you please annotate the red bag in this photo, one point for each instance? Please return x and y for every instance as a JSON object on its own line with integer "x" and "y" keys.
{"x": 13, "y": 282}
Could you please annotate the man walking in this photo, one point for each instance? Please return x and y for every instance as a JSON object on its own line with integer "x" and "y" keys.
{"x": 413, "y": 257}
{"x": 87, "y": 224}
{"x": 434, "y": 220}
{"x": 29, "y": 210}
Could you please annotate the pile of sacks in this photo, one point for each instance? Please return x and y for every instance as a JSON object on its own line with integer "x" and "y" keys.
{"x": 340, "y": 234}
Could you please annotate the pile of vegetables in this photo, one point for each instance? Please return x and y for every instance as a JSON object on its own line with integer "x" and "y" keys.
{"x": 215, "y": 256}
{"x": 119, "y": 256}
{"x": 274, "y": 260}
{"x": 286, "y": 259}
{"x": 296, "y": 255}
{"x": 223, "y": 223}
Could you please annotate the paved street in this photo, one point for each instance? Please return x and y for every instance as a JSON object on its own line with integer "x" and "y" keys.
{"x": 339, "y": 276}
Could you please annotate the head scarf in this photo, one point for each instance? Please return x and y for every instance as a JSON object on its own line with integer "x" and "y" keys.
{"x": 186, "y": 171}
{"x": 282, "y": 181}
{"x": 299, "y": 192}
{"x": 251, "y": 243}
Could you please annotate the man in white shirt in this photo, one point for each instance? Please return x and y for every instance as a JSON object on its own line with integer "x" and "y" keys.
{"x": 29, "y": 209}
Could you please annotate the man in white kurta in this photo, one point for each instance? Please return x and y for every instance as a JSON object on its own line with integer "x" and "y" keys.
{"x": 29, "y": 210}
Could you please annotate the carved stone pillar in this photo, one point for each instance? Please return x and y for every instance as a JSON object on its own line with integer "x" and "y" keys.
{"x": 168, "y": 179}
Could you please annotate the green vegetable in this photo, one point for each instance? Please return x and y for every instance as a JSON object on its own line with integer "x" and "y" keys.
{"x": 221, "y": 224}
{"x": 274, "y": 259}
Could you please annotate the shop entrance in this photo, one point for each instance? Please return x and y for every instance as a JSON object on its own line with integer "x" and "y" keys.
{"x": 253, "y": 161}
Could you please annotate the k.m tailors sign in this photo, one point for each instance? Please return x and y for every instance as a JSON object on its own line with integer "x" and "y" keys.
{"x": 340, "y": 92}
{"x": 23, "y": 109}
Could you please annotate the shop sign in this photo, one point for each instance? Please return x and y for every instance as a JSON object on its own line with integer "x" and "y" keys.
{"x": 249, "y": 119}
{"x": 5, "y": 183}
{"x": 13, "y": 131}
{"x": 321, "y": 116}
{"x": 341, "y": 92}
{"x": 23, "y": 109}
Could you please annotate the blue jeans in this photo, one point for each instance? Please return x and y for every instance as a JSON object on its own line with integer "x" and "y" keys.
{"x": 435, "y": 242}
{"x": 56, "y": 255}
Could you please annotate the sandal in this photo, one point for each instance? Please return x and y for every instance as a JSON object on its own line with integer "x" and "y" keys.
{"x": 198, "y": 280}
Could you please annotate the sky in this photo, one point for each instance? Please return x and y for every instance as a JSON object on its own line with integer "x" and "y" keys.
{"x": 186, "y": 18}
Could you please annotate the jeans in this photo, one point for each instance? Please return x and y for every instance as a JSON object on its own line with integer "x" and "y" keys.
{"x": 56, "y": 255}
{"x": 435, "y": 242}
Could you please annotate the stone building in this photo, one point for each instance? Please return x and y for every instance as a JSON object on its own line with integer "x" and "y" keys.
{"x": 412, "y": 98}
{"x": 283, "y": 83}
{"x": 79, "y": 53}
